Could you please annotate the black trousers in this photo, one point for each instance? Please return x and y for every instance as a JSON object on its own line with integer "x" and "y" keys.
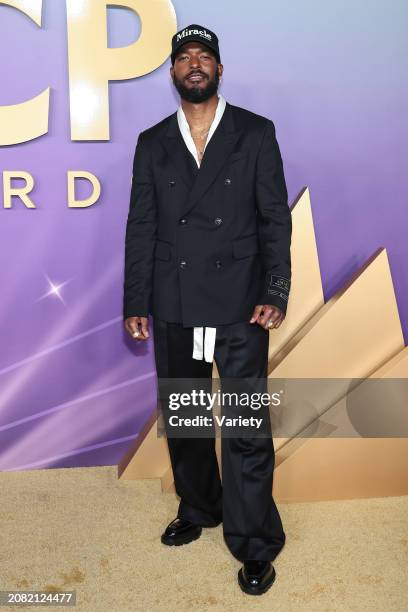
{"x": 243, "y": 501}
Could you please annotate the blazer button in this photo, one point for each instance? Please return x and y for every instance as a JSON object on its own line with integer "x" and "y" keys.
{"x": 217, "y": 220}
{"x": 183, "y": 264}
{"x": 227, "y": 181}
{"x": 218, "y": 264}
{"x": 183, "y": 221}
{"x": 172, "y": 183}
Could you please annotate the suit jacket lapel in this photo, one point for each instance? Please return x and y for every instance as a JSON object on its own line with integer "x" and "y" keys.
{"x": 216, "y": 155}
{"x": 177, "y": 151}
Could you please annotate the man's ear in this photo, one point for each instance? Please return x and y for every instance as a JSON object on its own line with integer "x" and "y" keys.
{"x": 220, "y": 69}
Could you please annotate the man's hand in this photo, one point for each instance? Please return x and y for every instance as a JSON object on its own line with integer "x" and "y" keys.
{"x": 263, "y": 313}
{"x": 138, "y": 327}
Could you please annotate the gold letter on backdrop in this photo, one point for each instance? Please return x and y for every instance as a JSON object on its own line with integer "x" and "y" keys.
{"x": 92, "y": 63}
{"x": 21, "y": 192}
{"x": 72, "y": 202}
{"x": 28, "y": 120}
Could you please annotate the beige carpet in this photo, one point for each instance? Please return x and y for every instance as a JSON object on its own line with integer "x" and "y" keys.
{"x": 82, "y": 529}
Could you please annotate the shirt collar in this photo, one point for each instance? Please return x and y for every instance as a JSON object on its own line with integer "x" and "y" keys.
{"x": 218, "y": 112}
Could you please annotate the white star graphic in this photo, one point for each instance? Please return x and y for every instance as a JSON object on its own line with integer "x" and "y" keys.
{"x": 54, "y": 289}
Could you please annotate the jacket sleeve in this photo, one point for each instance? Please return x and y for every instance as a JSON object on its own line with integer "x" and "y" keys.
{"x": 140, "y": 236}
{"x": 274, "y": 221}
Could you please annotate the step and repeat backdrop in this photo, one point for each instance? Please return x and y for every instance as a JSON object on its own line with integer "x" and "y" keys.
{"x": 79, "y": 79}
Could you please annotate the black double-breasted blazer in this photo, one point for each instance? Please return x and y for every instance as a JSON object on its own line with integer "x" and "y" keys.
{"x": 204, "y": 247}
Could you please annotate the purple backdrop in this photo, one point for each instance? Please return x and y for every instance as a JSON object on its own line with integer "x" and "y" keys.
{"x": 73, "y": 389}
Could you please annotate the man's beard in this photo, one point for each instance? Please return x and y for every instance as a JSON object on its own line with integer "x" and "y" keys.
{"x": 197, "y": 94}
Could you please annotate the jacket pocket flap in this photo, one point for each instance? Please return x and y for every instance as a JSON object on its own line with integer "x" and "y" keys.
{"x": 243, "y": 247}
{"x": 163, "y": 250}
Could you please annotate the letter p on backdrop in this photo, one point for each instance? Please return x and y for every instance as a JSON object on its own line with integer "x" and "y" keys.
{"x": 92, "y": 64}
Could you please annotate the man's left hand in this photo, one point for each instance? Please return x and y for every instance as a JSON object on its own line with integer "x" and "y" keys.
{"x": 263, "y": 313}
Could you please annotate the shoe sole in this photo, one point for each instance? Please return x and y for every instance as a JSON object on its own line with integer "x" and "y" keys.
{"x": 168, "y": 541}
{"x": 251, "y": 591}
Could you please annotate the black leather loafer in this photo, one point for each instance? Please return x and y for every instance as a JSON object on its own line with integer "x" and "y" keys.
{"x": 256, "y": 577}
{"x": 180, "y": 531}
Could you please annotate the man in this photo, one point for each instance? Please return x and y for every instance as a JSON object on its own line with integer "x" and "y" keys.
{"x": 208, "y": 255}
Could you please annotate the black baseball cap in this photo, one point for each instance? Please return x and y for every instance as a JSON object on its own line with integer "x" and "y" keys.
{"x": 195, "y": 33}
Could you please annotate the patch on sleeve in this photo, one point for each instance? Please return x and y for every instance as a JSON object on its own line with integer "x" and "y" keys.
{"x": 279, "y": 282}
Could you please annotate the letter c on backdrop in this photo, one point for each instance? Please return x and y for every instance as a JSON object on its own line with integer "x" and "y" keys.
{"x": 27, "y": 120}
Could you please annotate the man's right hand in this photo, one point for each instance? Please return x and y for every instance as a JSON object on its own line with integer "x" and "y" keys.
{"x": 137, "y": 327}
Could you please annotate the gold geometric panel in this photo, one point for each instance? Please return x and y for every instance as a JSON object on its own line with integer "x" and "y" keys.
{"x": 148, "y": 457}
{"x": 355, "y": 332}
{"x": 311, "y": 468}
{"x": 376, "y": 403}
{"x": 396, "y": 367}
{"x": 342, "y": 468}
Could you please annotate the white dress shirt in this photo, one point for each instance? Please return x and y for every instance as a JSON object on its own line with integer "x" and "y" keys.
{"x": 204, "y": 338}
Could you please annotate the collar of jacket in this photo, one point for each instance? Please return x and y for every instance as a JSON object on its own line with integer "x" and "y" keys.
{"x": 222, "y": 144}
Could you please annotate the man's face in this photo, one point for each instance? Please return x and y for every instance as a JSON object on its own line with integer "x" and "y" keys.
{"x": 195, "y": 73}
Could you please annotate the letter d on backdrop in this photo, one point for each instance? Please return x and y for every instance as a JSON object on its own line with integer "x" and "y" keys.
{"x": 96, "y": 189}
{"x": 92, "y": 64}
